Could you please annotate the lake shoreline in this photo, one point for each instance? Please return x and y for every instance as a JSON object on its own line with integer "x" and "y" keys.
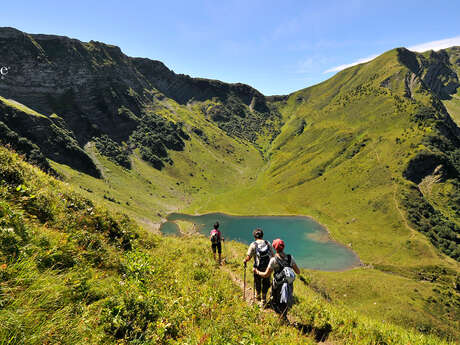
{"x": 358, "y": 263}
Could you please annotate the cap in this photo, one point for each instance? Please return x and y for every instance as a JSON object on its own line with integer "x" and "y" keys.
{"x": 278, "y": 244}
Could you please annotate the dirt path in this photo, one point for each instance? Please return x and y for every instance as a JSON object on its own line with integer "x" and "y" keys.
{"x": 237, "y": 278}
{"x": 413, "y": 232}
{"x": 403, "y": 217}
{"x": 89, "y": 149}
{"x": 229, "y": 255}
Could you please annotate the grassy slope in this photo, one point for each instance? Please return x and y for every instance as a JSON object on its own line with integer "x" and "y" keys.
{"x": 21, "y": 107}
{"x": 200, "y": 171}
{"x": 72, "y": 273}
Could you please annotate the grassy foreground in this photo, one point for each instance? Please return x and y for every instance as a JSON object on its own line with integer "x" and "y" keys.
{"x": 73, "y": 273}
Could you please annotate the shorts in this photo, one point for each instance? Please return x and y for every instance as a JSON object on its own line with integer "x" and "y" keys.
{"x": 217, "y": 246}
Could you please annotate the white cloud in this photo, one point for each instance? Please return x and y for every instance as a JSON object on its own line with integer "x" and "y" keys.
{"x": 433, "y": 45}
{"x": 436, "y": 45}
{"x": 357, "y": 62}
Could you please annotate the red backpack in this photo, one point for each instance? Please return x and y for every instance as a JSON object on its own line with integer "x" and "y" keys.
{"x": 215, "y": 237}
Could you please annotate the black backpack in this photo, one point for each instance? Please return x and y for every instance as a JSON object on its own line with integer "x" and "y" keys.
{"x": 263, "y": 256}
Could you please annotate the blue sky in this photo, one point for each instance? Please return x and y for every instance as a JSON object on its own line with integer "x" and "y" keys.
{"x": 275, "y": 46}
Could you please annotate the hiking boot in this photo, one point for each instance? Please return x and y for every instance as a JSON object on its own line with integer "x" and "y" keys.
{"x": 263, "y": 303}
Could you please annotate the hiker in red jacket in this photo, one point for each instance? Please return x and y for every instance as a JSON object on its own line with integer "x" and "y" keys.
{"x": 216, "y": 238}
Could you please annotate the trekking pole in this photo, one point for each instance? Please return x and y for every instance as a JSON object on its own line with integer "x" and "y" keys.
{"x": 254, "y": 290}
{"x": 244, "y": 282}
{"x": 223, "y": 252}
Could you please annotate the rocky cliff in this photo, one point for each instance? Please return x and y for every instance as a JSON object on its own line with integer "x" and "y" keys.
{"x": 96, "y": 91}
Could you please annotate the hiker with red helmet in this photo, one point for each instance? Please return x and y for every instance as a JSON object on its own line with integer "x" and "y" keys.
{"x": 283, "y": 265}
{"x": 262, "y": 251}
{"x": 216, "y": 238}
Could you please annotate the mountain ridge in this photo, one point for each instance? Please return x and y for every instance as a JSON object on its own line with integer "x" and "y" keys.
{"x": 97, "y": 90}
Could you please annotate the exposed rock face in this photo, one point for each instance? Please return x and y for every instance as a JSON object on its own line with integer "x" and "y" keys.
{"x": 434, "y": 69}
{"x": 97, "y": 90}
{"x": 182, "y": 88}
{"x": 85, "y": 83}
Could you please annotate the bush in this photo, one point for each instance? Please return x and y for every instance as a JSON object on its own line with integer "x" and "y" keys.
{"x": 24, "y": 146}
{"x": 131, "y": 317}
{"x": 115, "y": 152}
{"x": 443, "y": 233}
{"x": 154, "y": 135}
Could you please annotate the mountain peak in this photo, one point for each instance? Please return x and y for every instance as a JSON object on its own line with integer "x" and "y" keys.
{"x": 9, "y": 32}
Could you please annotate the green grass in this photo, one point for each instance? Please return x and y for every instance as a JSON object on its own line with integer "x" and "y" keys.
{"x": 20, "y": 106}
{"x": 453, "y": 107}
{"x": 73, "y": 273}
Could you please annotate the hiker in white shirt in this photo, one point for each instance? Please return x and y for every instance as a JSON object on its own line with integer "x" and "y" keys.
{"x": 262, "y": 251}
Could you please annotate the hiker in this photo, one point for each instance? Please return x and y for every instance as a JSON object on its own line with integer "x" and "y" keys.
{"x": 262, "y": 251}
{"x": 283, "y": 267}
{"x": 216, "y": 238}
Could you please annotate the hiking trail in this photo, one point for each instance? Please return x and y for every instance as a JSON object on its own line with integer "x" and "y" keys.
{"x": 229, "y": 257}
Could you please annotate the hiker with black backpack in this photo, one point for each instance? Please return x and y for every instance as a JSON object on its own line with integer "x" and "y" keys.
{"x": 216, "y": 238}
{"x": 262, "y": 251}
{"x": 284, "y": 268}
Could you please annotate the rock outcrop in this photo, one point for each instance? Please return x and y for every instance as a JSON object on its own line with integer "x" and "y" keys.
{"x": 434, "y": 69}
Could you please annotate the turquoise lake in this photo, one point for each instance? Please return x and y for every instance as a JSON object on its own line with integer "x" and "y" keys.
{"x": 306, "y": 240}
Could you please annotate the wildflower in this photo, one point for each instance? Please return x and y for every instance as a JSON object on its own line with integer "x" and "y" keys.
{"x": 3, "y": 267}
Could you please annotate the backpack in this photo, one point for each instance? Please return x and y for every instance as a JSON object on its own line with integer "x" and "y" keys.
{"x": 286, "y": 274}
{"x": 215, "y": 236}
{"x": 263, "y": 256}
